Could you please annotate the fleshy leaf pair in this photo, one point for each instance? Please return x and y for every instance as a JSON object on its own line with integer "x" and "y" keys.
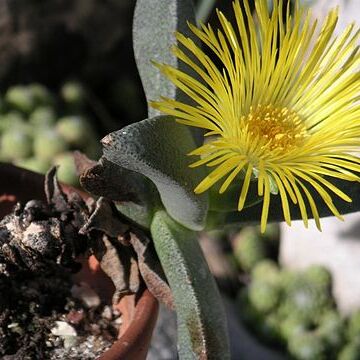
{"x": 237, "y": 119}
{"x": 156, "y": 149}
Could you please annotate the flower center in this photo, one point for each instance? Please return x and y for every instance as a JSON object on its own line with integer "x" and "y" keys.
{"x": 280, "y": 128}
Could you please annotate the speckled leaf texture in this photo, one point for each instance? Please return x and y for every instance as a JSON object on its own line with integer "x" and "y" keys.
{"x": 201, "y": 324}
{"x": 154, "y": 27}
{"x": 157, "y": 148}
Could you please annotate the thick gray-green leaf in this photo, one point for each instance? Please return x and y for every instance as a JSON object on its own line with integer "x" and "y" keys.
{"x": 202, "y": 332}
{"x": 154, "y": 27}
{"x": 157, "y": 148}
{"x": 252, "y": 214}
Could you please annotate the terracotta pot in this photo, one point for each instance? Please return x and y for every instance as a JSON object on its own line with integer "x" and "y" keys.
{"x": 139, "y": 314}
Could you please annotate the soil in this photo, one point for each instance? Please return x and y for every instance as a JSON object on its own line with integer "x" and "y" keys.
{"x": 43, "y": 313}
{"x": 45, "y": 316}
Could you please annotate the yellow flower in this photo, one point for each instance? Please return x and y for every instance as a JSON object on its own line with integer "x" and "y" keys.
{"x": 282, "y": 109}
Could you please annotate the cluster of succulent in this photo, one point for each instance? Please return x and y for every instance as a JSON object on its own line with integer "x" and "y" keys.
{"x": 295, "y": 311}
{"x": 251, "y": 246}
{"x": 39, "y": 129}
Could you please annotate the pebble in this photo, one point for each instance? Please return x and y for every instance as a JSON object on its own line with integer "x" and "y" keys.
{"x": 62, "y": 329}
{"x": 118, "y": 321}
{"x": 107, "y": 313}
{"x": 69, "y": 341}
{"x": 15, "y": 328}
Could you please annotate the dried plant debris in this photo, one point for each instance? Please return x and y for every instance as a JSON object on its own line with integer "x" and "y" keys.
{"x": 105, "y": 218}
{"x": 38, "y": 234}
{"x": 39, "y": 246}
{"x": 82, "y": 162}
{"x": 151, "y": 270}
{"x": 127, "y": 188}
{"x": 58, "y": 231}
{"x": 103, "y": 178}
{"x": 127, "y": 255}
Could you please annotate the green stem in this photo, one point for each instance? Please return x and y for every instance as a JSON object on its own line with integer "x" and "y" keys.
{"x": 202, "y": 330}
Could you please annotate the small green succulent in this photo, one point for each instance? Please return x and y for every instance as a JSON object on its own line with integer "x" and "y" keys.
{"x": 304, "y": 299}
{"x": 75, "y": 130}
{"x": 266, "y": 270}
{"x": 264, "y": 296}
{"x": 350, "y": 351}
{"x": 293, "y": 326}
{"x": 249, "y": 248}
{"x": 20, "y": 98}
{"x": 332, "y": 329}
{"x": 73, "y": 94}
{"x": 67, "y": 170}
{"x": 319, "y": 276}
{"x": 307, "y": 346}
{"x": 48, "y": 143}
{"x": 41, "y": 95}
{"x": 353, "y": 330}
{"x": 16, "y": 143}
{"x": 10, "y": 119}
{"x": 43, "y": 116}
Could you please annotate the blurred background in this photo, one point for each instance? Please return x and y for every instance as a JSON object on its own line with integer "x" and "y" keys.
{"x": 68, "y": 77}
{"x": 66, "y": 70}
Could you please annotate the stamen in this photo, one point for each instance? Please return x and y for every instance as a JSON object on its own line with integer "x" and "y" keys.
{"x": 280, "y": 128}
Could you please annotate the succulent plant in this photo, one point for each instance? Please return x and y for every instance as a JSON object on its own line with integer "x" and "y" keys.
{"x": 319, "y": 276}
{"x": 75, "y": 130}
{"x": 350, "y": 351}
{"x": 259, "y": 151}
{"x": 266, "y": 270}
{"x": 73, "y": 94}
{"x": 293, "y": 326}
{"x": 43, "y": 116}
{"x": 41, "y": 95}
{"x": 48, "y": 143}
{"x": 12, "y": 118}
{"x": 249, "y": 248}
{"x": 20, "y": 98}
{"x": 67, "y": 170}
{"x": 292, "y": 307}
{"x": 307, "y": 346}
{"x": 304, "y": 299}
{"x": 264, "y": 296}
{"x": 32, "y": 135}
{"x": 16, "y": 143}
{"x": 332, "y": 329}
{"x": 354, "y": 326}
